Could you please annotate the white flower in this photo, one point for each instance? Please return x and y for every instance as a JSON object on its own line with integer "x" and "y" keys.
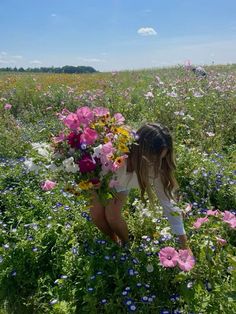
{"x": 43, "y": 149}
{"x": 97, "y": 151}
{"x": 149, "y": 268}
{"x": 165, "y": 231}
{"x": 31, "y": 166}
{"x": 70, "y": 166}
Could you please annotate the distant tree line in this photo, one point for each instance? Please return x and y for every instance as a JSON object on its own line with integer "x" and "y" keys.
{"x": 64, "y": 69}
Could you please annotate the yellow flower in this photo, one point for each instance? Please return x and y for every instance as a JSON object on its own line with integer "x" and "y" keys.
{"x": 122, "y": 131}
{"x": 123, "y": 148}
{"x": 85, "y": 185}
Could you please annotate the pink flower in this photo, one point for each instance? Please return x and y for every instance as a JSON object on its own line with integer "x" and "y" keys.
{"x": 86, "y": 164}
{"x": 107, "y": 149}
{"x": 85, "y": 115}
{"x": 230, "y": 219}
{"x": 72, "y": 121}
{"x": 101, "y": 111}
{"x": 7, "y": 106}
{"x": 48, "y": 185}
{"x": 119, "y": 118}
{"x": 168, "y": 257}
{"x": 221, "y": 241}
{"x": 199, "y": 222}
{"x": 186, "y": 261}
{"x": 212, "y": 212}
{"x": 60, "y": 138}
{"x": 88, "y": 137}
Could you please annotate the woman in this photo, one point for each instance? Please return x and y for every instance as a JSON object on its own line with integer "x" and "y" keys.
{"x": 149, "y": 167}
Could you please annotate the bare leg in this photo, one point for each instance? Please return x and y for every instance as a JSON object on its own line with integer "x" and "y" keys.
{"x": 97, "y": 212}
{"x": 114, "y": 218}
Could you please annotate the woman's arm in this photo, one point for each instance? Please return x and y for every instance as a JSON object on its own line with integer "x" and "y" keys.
{"x": 173, "y": 213}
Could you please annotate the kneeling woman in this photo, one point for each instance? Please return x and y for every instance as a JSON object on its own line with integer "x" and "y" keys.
{"x": 149, "y": 166}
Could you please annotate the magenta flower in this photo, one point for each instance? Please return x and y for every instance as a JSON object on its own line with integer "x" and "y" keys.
{"x": 168, "y": 257}
{"x": 86, "y": 164}
{"x": 7, "y": 106}
{"x": 74, "y": 139}
{"x": 186, "y": 261}
{"x": 101, "y": 111}
{"x": 72, "y": 121}
{"x": 199, "y": 222}
{"x": 89, "y": 136}
{"x": 48, "y": 185}
{"x": 85, "y": 115}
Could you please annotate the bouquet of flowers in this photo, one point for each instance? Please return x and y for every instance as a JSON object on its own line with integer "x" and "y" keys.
{"x": 90, "y": 150}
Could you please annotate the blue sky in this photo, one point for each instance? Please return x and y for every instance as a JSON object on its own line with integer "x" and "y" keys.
{"x": 116, "y": 34}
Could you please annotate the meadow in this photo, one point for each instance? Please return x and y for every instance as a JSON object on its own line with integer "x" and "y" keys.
{"x": 54, "y": 260}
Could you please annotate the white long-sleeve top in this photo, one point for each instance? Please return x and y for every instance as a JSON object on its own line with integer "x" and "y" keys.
{"x": 128, "y": 180}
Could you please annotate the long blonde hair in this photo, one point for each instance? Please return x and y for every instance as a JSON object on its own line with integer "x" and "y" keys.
{"x": 152, "y": 139}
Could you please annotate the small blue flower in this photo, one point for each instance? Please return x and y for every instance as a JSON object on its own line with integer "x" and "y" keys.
{"x": 131, "y": 272}
{"x": 104, "y": 301}
{"x": 124, "y": 293}
{"x": 139, "y": 285}
{"x": 144, "y": 299}
{"x": 132, "y": 308}
{"x": 165, "y": 312}
{"x": 128, "y": 302}
{"x": 127, "y": 289}
{"x": 92, "y": 277}
{"x": 74, "y": 250}
{"x": 99, "y": 273}
{"x": 53, "y": 301}
{"x": 107, "y": 258}
{"x": 90, "y": 289}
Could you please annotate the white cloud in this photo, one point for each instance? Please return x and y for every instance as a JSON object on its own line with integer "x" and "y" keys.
{"x": 17, "y": 57}
{"x": 92, "y": 60}
{"x": 146, "y": 31}
{"x": 35, "y": 62}
{"x": 3, "y": 53}
{"x": 53, "y": 15}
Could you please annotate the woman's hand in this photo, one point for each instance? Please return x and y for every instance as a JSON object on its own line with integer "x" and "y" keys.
{"x": 183, "y": 241}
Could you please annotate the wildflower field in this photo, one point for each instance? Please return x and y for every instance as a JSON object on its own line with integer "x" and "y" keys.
{"x": 54, "y": 260}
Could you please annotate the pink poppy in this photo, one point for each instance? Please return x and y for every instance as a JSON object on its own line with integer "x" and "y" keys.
{"x": 48, "y": 185}
{"x": 186, "y": 261}
{"x": 72, "y": 121}
{"x": 199, "y": 222}
{"x": 85, "y": 115}
{"x": 101, "y": 111}
{"x": 89, "y": 136}
{"x": 168, "y": 257}
{"x": 119, "y": 118}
